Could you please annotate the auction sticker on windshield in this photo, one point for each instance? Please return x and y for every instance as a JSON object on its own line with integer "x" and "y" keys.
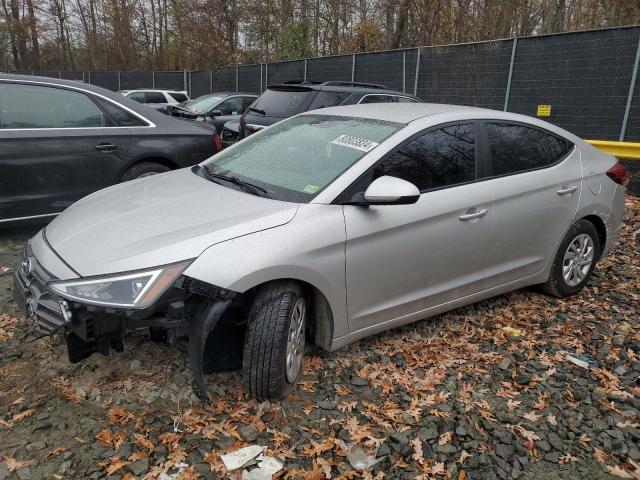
{"x": 350, "y": 141}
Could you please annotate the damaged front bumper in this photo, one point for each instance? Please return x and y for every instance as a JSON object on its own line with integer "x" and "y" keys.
{"x": 88, "y": 328}
{"x": 189, "y": 308}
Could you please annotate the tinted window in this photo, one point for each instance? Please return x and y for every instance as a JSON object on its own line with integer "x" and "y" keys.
{"x": 379, "y": 99}
{"x": 31, "y": 106}
{"x": 407, "y": 100}
{"x": 282, "y": 103}
{"x": 248, "y": 101}
{"x": 121, "y": 117}
{"x": 326, "y": 99}
{"x": 437, "y": 159}
{"x": 137, "y": 96}
{"x": 516, "y": 148}
{"x": 178, "y": 97}
{"x": 232, "y": 106}
{"x": 154, "y": 97}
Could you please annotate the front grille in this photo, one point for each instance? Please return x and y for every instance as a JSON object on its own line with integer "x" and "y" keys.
{"x": 41, "y": 303}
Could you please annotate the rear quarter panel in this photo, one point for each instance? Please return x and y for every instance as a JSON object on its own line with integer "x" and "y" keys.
{"x": 601, "y": 196}
{"x": 172, "y": 143}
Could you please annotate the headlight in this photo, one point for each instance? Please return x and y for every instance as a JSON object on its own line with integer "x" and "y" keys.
{"x": 130, "y": 290}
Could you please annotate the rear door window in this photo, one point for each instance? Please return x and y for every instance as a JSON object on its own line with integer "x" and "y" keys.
{"x": 178, "y": 97}
{"x": 231, "y": 106}
{"x": 407, "y": 100}
{"x": 248, "y": 101}
{"x": 154, "y": 97}
{"x": 282, "y": 103}
{"x": 120, "y": 117}
{"x": 516, "y": 148}
{"x": 35, "y": 106}
{"x": 379, "y": 99}
{"x": 137, "y": 96}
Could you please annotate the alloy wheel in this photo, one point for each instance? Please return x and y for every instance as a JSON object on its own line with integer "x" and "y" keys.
{"x": 577, "y": 260}
{"x": 295, "y": 340}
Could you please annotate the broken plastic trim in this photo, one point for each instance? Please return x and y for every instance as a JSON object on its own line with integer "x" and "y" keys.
{"x": 203, "y": 324}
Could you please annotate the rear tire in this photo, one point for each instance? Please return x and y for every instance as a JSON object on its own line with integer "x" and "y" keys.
{"x": 144, "y": 169}
{"x": 575, "y": 260}
{"x": 275, "y": 340}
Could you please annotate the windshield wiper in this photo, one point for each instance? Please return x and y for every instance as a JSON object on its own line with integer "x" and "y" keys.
{"x": 244, "y": 184}
{"x": 257, "y": 110}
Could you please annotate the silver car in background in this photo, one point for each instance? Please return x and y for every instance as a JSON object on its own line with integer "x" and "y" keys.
{"x": 327, "y": 227}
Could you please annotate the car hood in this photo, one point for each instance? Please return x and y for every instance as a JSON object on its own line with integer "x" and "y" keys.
{"x": 157, "y": 220}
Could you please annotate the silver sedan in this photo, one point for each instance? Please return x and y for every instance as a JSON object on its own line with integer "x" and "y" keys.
{"x": 326, "y": 228}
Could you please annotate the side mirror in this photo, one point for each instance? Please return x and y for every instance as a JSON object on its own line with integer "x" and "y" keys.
{"x": 388, "y": 190}
{"x": 215, "y": 113}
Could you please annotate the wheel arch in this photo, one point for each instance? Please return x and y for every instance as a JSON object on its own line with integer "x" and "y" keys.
{"x": 601, "y": 228}
{"x": 321, "y": 322}
{"x": 147, "y": 159}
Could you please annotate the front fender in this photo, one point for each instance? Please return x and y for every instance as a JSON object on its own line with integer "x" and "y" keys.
{"x": 310, "y": 248}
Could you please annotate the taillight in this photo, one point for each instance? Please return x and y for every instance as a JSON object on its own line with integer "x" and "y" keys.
{"x": 217, "y": 142}
{"x": 618, "y": 173}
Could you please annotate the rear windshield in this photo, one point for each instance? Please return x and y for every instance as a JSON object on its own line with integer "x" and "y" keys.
{"x": 282, "y": 103}
{"x": 297, "y": 158}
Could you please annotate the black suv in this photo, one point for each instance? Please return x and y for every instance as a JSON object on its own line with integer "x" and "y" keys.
{"x": 282, "y": 101}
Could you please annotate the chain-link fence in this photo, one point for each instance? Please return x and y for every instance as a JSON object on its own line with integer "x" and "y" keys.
{"x": 586, "y": 82}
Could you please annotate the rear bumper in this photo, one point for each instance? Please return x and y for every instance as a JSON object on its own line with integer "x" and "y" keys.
{"x": 615, "y": 221}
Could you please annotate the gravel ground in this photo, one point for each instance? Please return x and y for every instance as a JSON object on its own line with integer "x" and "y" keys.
{"x": 456, "y": 396}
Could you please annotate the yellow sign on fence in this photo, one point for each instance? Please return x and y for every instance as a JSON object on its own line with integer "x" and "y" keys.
{"x": 544, "y": 110}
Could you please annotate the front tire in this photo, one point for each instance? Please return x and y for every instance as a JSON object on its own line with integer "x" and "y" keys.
{"x": 275, "y": 341}
{"x": 574, "y": 261}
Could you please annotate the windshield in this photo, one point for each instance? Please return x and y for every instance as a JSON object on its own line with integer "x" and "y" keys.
{"x": 282, "y": 103}
{"x": 297, "y": 158}
{"x": 201, "y": 104}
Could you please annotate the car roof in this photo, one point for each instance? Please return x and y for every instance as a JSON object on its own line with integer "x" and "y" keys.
{"x": 77, "y": 84}
{"x": 159, "y": 119}
{"x": 393, "y": 112}
{"x": 409, "y": 112}
{"x": 227, "y": 94}
{"x": 347, "y": 87}
{"x": 154, "y": 90}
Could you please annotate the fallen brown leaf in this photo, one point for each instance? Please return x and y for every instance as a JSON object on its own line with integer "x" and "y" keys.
{"x": 21, "y": 416}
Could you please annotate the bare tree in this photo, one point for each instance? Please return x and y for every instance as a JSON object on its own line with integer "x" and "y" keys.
{"x": 131, "y": 34}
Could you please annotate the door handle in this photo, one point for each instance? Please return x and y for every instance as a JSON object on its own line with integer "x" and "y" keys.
{"x": 471, "y": 216}
{"x": 105, "y": 147}
{"x": 567, "y": 190}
